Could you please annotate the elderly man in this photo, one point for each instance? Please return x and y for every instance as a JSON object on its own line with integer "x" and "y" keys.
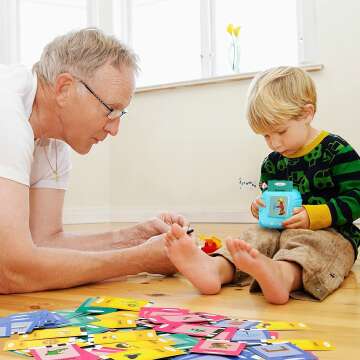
{"x": 76, "y": 95}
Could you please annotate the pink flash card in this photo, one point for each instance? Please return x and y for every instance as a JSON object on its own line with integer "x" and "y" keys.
{"x": 211, "y": 317}
{"x": 190, "y": 329}
{"x": 220, "y": 347}
{"x": 62, "y": 352}
{"x": 145, "y": 312}
{"x": 227, "y": 334}
{"x": 179, "y": 318}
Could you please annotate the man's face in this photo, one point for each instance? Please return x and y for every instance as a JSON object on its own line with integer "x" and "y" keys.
{"x": 85, "y": 120}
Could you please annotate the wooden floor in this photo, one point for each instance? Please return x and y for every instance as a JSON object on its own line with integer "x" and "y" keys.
{"x": 337, "y": 319}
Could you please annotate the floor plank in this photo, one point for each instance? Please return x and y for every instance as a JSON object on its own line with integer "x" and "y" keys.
{"x": 336, "y": 319}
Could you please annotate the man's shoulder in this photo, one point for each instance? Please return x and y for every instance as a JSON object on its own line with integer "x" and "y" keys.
{"x": 15, "y": 78}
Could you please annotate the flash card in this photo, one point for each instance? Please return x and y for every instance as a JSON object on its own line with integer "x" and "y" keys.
{"x": 240, "y": 324}
{"x": 182, "y": 318}
{"x": 116, "y": 323}
{"x": 146, "y": 354}
{"x": 122, "y": 336}
{"x": 282, "y": 352}
{"x": 281, "y": 325}
{"x": 190, "y": 329}
{"x": 119, "y": 303}
{"x": 211, "y": 317}
{"x": 305, "y": 344}
{"x": 62, "y": 352}
{"x": 86, "y": 308}
{"x": 181, "y": 341}
{"x": 207, "y": 357}
{"x": 53, "y": 333}
{"x": 148, "y": 311}
{"x": 22, "y": 327}
{"x": 5, "y": 329}
{"x": 220, "y": 347}
{"x": 254, "y": 336}
{"x": 23, "y": 344}
{"x": 226, "y": 334}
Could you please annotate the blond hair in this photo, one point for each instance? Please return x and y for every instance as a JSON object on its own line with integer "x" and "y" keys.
{"x": 81, "y": 53}
{"x": 278, "y": 95}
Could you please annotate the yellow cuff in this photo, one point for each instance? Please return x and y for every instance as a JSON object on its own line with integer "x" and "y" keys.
{"x": 319, "y": 216}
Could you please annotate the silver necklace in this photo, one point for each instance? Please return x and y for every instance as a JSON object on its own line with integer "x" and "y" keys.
{"x": 54, "y": 170}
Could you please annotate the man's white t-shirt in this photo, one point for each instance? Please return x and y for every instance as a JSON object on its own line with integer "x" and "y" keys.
{"x": 22, "y": 159}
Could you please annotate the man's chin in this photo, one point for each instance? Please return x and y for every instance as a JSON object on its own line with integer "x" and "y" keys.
{"x": 82, "y": 150}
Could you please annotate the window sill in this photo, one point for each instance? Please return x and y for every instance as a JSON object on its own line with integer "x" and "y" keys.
{"x": 214, "y": 80}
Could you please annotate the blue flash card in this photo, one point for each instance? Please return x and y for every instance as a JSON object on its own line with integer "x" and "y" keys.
{"x": 5, "y": 329}
{"x": 206, "y": 357}
{"x": 247, "y": 355}
{"x": 282, "y": 352}
{"x": 22, "y": 327}
{"x": 240, "y": 324}
{"x": 251, "y": 336}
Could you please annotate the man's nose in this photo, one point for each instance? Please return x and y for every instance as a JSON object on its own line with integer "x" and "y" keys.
{"x": 112, "y": 127}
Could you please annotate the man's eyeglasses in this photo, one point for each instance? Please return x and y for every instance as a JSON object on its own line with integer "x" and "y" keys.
{"x": 113, "y": 113}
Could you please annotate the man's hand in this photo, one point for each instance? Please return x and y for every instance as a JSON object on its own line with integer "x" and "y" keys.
{"x": 170, "y": 218}
{"x": 300, "y": 220}
{"x": 258, "y": 202}
{"x": 142, "y": 232}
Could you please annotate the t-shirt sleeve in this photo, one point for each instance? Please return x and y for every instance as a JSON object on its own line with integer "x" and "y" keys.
{"x": 16, "y": 140}
{"x": 55, "y": 156}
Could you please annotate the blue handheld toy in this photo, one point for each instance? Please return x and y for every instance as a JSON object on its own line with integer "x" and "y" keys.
{"x": 280, "y": 199}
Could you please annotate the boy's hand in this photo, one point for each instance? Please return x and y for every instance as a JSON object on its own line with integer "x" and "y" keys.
{"x": 255, "y": 206}
{"x": 300, "y": 220}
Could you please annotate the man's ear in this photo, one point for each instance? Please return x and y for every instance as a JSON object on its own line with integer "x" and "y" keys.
{"x": 308, "y": 113}
{"x": 64, "y": 88}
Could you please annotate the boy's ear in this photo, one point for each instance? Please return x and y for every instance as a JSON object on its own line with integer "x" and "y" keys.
{"x": 308, "y": 113}
{"x": 63, "y": 88}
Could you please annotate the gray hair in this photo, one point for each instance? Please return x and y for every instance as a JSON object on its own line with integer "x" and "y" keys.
{"x": 81, "y": 53}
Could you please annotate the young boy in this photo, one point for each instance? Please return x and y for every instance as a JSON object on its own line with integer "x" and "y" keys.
{"x": 318, "y": 246}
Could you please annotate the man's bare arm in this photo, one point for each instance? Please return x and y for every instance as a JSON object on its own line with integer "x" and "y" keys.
{"x": 46, "y": 210}
{"x": 26, "y": 267}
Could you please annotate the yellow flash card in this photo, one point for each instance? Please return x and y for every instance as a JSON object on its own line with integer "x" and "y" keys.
{"x": 54, "y": 333}
{"x": 28, "y": 344}
{"x": 119, "y": 303}
{"x": 281, "y": 325}
{"x": 119, "y": 314}
{"x": 137, "y": 345}
{"x": 22, "y": 353}
{"x": 147, "y": 354}
{"x": 116, "y": 323}
{"x": 305, "y": 344}
{"x": 122, "y": 336}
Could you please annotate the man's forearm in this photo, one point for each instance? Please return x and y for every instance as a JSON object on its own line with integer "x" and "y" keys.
{"x": 117, "y": 239}
{"x": 49, "y": 268}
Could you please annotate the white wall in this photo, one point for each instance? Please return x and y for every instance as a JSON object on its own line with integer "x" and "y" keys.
{"x": 184, "y": 149}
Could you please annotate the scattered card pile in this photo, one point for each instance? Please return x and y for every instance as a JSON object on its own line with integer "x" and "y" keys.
{"x": 118, "y": 328}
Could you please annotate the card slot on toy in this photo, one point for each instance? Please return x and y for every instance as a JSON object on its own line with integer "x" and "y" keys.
{"x": 280, "y": 199}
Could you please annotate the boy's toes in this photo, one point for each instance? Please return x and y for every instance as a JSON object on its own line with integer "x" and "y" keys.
{"x": 177, "y": 231}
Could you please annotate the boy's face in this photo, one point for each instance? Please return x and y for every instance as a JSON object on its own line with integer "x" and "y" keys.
{"x": 289, "y": 138}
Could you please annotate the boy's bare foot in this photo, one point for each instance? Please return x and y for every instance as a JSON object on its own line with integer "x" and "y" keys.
{"x": 204, "y": 272}
{"x": 276, "y": 278}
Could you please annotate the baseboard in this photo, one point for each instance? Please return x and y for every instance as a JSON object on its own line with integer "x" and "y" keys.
{"x": 103, "y": 215}
{"x": 93, "y": 215}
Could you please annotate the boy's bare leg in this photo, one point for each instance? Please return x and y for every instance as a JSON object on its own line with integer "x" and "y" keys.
{"x": 205, "y": 272}
{"x": 276, "y": 278}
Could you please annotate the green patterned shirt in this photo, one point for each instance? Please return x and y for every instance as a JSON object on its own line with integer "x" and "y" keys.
{"x": 329, "y": 173}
